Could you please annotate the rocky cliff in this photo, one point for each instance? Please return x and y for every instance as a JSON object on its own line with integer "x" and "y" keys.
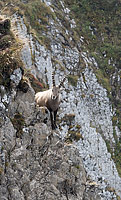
{"x": 81, "y": 158}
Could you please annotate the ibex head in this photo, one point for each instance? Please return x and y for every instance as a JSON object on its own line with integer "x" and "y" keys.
{"x": 56, "y": 89}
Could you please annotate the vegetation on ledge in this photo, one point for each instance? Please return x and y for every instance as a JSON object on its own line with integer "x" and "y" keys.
{"x": 99, "y": 23}
{"x": 9, "y": 55}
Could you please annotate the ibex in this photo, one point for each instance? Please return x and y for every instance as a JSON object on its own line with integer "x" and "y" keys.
{"x": 51, "y": 99}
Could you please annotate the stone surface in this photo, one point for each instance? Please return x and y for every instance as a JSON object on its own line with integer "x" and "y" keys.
{"x": 36, "y": 163}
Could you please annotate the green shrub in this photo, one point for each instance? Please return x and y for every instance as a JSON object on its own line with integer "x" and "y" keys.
{"x": 18, "y": 122}
{"x": 72, "y": 79}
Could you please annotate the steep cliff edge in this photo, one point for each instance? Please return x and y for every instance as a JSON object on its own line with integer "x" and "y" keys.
{"x": 35, "y": 163}
{"x": 31, "y": 156}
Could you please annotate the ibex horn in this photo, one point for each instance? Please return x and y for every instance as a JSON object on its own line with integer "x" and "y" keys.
{"x": 53, "y": 80}
{"x": 61, "y": 83}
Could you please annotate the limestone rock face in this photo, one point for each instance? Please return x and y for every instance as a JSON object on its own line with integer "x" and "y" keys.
{"x": 36, "y": 164}
{"x": 73, "y": 162}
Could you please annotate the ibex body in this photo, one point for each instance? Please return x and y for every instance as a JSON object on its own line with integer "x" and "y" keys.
{"x": 51, "y": 99}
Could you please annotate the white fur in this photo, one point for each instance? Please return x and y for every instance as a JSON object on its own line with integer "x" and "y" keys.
{"x": 45, "y": 99}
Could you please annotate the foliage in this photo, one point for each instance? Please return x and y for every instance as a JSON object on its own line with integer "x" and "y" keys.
{"x": 9, "y": 60}
{"x": 73, "y": 136}
{"x": 72, "y": 79}
{"x": 1, "y": 170}
{"x": 74, "y": 133}
{"x": 99, "y": 23}
{"x": 18, "y": 123}
{"x": 36, "y": 13}
{"x": 103, "y": 80}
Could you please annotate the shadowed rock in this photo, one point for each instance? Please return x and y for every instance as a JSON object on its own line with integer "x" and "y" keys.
{"x": 4, "y": 26}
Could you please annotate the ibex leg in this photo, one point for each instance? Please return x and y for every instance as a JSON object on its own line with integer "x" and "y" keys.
{"x": 51, "y": 118}
{"x": 55, "y": 113}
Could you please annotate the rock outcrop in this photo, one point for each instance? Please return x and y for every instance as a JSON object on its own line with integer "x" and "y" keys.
{"x": 73, "y": 162}
{"x": 35, "y": 162}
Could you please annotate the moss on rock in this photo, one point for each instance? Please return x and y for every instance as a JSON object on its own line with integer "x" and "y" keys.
{"x": 18, "y": 123}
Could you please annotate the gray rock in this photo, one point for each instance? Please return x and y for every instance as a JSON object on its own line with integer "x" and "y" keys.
{"x": 36, "y": 164}
{"x": 16, "y": 77}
